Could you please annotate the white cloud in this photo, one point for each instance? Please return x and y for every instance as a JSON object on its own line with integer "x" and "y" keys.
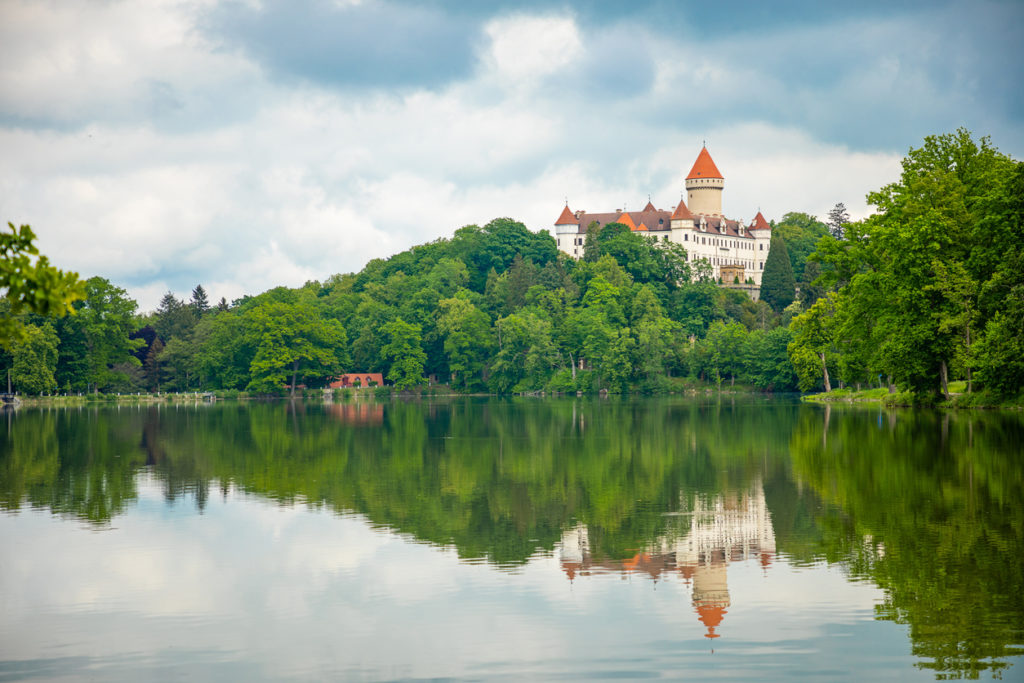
{"x": 527, "y": 48}
{"x": 258, "y": 183}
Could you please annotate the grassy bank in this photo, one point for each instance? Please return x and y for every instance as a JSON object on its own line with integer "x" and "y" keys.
{"x": 959, "y": 398}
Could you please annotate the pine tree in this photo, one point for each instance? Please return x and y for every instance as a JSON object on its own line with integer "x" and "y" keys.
{"x": 778, "y": 286}
{"x": 200, "y": 304}
{"x": 837, "y": 218}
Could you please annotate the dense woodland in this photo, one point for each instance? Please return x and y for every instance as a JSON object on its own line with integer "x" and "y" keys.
{"x": 928, "y": 289}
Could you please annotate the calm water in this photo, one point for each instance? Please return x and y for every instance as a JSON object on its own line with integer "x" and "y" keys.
{"x": 491, "y": 539}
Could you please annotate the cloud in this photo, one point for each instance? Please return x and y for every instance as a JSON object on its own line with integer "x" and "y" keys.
{"x": 167, "y": 144}
{"x": 375, "y": 44}
{"x": 64, "y": 65}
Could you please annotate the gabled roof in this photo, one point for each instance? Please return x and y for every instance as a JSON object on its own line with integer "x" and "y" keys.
{"x": 759, "y": 223}
{"x": 704, "y": 167}
{"x": 649, "y": 207}
{"x": 626, "y": 219}
{"x": 682, "y": 212}
{"x": 642, "y": 227}
{"x": 566, "y": 218}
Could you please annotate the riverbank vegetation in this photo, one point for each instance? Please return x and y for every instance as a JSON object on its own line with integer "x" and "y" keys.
{"x": 927, "y": 290}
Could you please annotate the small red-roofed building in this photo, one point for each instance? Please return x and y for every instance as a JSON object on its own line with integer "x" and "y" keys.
{"x": 358, "y": 379}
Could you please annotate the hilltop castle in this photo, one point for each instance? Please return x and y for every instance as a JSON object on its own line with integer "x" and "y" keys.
{"x": 733, "y": 249}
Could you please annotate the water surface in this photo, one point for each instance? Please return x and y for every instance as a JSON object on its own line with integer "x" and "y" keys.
{"x": 510, "y": 539}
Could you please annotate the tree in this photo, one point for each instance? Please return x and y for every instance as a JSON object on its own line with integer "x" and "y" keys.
{"x": 151, "y": 368}
{"x": 404, "y": 353}
{"x": 290, "y": 337}
{"x": 102, "y": 323}
{"x": 809, "y": 291}
{"x": 801, "y": 232}
{"x": 200, "y": 303}
{"x": 778, "y": 286}
{"x": 31, "y": 285}
{"x": 174, "y": 318}
{"x": 467, "y": 338}
{"x": 727, "y": 344}
{"x": 35, "y": 360}
{"x": 837, "y": 219}
{"x": 937, "y": 262}
{"x": 813, "y": 341}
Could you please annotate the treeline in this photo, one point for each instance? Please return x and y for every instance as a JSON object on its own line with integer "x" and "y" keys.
{"x": 929, "y": 289}
{"x": 495, "y": 308}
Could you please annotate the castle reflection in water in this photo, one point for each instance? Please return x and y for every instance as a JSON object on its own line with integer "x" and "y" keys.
{"x": 709, "y": 533}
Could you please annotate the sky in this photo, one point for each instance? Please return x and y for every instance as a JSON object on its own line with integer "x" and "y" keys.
{"x": 248, "y": 144}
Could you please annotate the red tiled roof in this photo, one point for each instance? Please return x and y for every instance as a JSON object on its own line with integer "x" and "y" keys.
{"x": 704, "y": 167}
{"x": 759, "y": 223}
{"x": 566, "y": 218}
{"x": 649, "y": 207}
{"x": 641, "y": 227}
{"x": 654, "y": 220}
{"x": 364, "y": 378}
{"x": 682, "y": 212}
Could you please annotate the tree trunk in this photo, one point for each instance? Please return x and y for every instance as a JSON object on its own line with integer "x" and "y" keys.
{"x": 295, "y": 375}
{"x": 824, "y": 372}
{"x": 888, "y": 381}
{"x": 944, "y": 375}
{"x": 572, "y": 363}
{"x": 969, "y": 375}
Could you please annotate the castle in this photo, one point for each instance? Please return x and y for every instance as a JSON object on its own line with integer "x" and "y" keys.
{"x": 733, "y": 250}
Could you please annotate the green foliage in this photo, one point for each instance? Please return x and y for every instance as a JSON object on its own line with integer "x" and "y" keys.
{"x": 929, "y": 286}
{"x": 778, "y": 285}
{"x": 30, "y": 284}
{"x": 404, "y": 353}
{"x": 467, "y": 339}
{"x": 35, "y": 360}
{"x": 801, "y": 233}
{"x": 289, "y": 338}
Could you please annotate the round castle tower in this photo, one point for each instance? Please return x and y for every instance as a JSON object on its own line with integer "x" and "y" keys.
{"x": 704, "y": 186}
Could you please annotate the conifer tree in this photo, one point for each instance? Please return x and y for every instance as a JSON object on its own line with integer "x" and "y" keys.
{"x": 837, "y": 218}
{"x": 200, "y": 303}
{"x": 778, "y": 286}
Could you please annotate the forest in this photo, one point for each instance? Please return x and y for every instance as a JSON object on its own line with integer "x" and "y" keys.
{"x": 927, "y": 290}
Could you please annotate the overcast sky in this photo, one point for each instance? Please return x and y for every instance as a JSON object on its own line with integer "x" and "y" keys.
{"x": 245, "y": 145}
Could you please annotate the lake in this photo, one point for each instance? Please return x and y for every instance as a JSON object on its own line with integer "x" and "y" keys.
{"x": 488, "y": 539}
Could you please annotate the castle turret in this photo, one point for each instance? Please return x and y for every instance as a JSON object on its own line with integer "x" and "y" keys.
{"x": 704, "y": 186}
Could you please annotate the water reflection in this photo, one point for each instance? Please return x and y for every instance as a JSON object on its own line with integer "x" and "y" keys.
{"x": 703, "y": 538}
{"x": 925, "y": 506}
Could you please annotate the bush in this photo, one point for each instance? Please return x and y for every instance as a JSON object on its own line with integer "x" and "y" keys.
{"x": 562, "y": 382}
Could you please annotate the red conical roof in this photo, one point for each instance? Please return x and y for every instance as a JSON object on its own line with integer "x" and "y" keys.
{"x": 704, "y": 167}
{"x": 566, "y": 218}
{"x": 682, "y": 212}
{"x": 649, "y": 207}
{"x": 711, "y": 616}
{"x": 759, "y": 223}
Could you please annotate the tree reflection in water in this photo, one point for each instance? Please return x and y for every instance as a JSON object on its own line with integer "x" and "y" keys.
{"x": 925, "y": 505}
